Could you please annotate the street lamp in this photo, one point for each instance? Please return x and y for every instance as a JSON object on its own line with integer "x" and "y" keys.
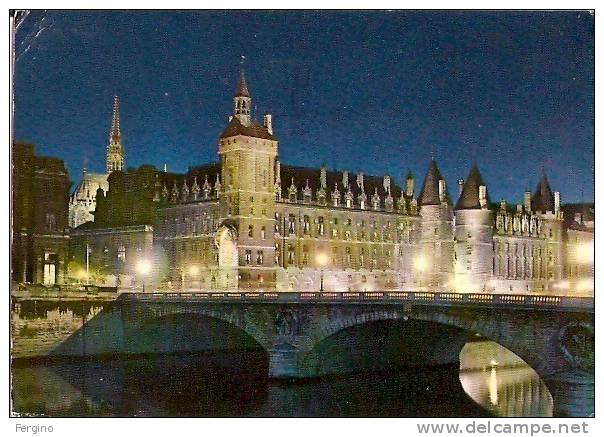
{"x": 193, "y": 271}
{"x": 322, "y": 261}
{"x": 88, "y": 252}
{"x": 143, "y": 267}
{"x": 420, "y": 265}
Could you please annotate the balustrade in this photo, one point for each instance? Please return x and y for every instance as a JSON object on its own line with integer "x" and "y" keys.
{"x": 421, "y": 297}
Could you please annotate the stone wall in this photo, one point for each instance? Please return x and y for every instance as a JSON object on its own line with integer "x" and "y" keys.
{"x": 65, "y": 328}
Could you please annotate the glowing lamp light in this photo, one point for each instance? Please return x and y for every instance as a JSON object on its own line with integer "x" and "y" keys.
{"x": 585, "y": 253}
{"x": 420, "y": 263}
{"x": 81, "y": 274}
{"x": 143, "y": 267}
{"x": 322, "y": 259}
{"x": 585, "y": 285}
{"x": 193, "y": 270}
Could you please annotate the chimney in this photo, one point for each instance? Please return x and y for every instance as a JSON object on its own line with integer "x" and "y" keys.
{"x": 323, "y": 177}
{"x": 410, "y": 188}
{"x": 278, "y": 172}
{"x": 268, "y": 123}
{"x": 460, "y": 183}
{"x": 442, "y": 190}
{"x": 482, "y": 196}
{"x": 527, "y": 201}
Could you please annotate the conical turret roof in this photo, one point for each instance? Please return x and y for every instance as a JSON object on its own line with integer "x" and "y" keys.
{"x": 470, "y": 197}
{"x": 543, "y": 199}
{"x": 429, "y": 194}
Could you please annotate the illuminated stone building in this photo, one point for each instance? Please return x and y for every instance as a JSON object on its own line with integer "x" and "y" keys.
{"x": 580, "y": 249}
{"x": 251, "y": 221}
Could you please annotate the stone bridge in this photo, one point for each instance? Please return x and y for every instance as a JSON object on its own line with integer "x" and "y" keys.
{"x": 312, "y": 334}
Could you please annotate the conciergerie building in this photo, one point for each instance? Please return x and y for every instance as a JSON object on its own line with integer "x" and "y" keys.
{"x": 251, "y": 221}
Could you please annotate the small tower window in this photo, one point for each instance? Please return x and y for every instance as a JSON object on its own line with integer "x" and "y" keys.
{"x": 121, "y": 253}
{"x": 321, "y": 226}
{"x": 51, "y": 221}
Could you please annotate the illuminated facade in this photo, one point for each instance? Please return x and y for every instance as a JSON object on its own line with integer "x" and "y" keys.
{"x": 250, "y": 221}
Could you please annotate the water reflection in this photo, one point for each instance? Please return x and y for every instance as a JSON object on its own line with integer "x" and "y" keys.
{"x": 502, "y": 383}
{"x": 235, "y": 384}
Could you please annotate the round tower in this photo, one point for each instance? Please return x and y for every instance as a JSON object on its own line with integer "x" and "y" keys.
{"x": 473, "y": 236}
{"x": 433, "y": 265}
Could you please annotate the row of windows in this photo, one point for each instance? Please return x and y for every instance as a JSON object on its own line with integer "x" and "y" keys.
{"x": 317, "y": 228}
{"x": 516, "y": 268}
{"x": 521, "y": 249}
{"x": 192, "y": 225}
{"x": 338, "y": 258}
{"x": 364, "y": 202}
{"x": 259, "y": 257}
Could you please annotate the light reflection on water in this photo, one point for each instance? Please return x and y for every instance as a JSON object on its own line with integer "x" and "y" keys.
{"x": 199, "y": 385}
{"x": 502, "y": 383}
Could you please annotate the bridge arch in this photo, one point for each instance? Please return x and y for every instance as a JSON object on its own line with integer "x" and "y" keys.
{"x": 157, "y": 317}
{"x": 489, "y": 329}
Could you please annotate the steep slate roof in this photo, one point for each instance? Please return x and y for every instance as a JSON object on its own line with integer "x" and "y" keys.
{"x": 469, "y": 198}
{"x": 430, "y": 190}
{"x": 242, "y": 90}
{"x": 301, "y": 174}
{"x": 543, "y": 199}
{"x": 255, "y": 130}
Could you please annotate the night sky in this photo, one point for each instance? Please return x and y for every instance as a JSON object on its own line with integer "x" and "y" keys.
{"x": 378, "y": 92}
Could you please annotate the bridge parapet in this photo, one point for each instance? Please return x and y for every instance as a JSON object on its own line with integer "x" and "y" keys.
{"x": 534, "y": 302}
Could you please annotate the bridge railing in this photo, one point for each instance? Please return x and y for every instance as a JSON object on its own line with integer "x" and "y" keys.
{"x": 419, "y": 297}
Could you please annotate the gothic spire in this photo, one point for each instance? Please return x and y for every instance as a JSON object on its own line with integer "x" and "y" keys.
{"x": 242, "y": 101}
{"x": 242, "y": 90}
{"x": 116, "y": 134}
{"x": 115, "y": 150}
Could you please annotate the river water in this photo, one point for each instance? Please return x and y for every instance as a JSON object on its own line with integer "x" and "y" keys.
{"x": 491, "y": 382}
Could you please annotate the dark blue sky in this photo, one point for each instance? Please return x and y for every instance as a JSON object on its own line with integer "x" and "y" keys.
{"x": 372, "y": 91}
